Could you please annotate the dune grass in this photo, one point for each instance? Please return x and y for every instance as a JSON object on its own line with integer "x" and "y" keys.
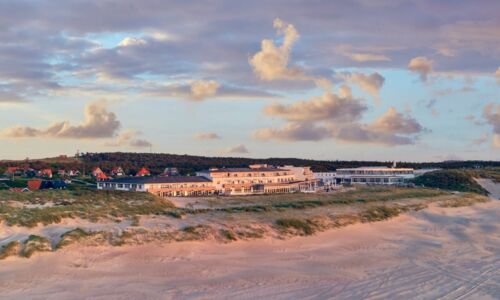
{"x": 35, "y": 243}
{"x": 91, "y": 205}
{"x": 10, "y": 249}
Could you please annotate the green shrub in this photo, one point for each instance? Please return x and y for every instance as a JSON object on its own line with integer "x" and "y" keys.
{"x": 9, "y": 249}
{"x": 35, "y": 243}
{"x": 228, "y": 234}
{"x": 379, "y": 213}
{"x": 305, "y": 226}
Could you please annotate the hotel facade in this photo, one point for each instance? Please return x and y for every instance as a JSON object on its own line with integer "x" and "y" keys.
{"x": 256, "y": 179}
{"x": 374, "y": 175}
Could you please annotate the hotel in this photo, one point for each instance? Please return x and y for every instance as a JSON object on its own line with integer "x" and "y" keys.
{"x": 374, "y": 175}
{"x": 255, "y": 179}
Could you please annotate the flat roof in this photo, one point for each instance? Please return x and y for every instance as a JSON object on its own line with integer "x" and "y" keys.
{"x": 231, "y": 170}
{"x": 159, "y": 179}
{"x": 375, "y": 169}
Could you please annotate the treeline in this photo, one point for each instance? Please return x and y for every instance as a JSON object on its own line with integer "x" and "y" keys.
{"x": 188, "y": 164}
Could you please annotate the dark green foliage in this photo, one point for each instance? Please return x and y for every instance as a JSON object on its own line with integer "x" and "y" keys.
{"x": 302, "y": 225}
{"x": 228, "y": 234}
{"x": 379, "y": 213}
{"x": 454, "y": 180}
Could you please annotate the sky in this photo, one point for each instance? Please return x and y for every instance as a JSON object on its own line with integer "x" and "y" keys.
{"x": 408, "y": 80}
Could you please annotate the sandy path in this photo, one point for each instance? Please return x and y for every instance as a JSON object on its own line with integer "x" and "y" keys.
{"x": 435, "y": 253}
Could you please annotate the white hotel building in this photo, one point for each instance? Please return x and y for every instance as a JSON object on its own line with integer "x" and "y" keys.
{"x": 374, "y": 175}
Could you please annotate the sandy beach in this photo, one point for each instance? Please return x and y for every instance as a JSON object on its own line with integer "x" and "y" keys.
{"x": 447, "y": 253}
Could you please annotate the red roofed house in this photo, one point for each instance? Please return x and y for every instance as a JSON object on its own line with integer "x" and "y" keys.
{"x": 12, "y": 171}
{"x": 101, "y": 176}
{"x": 46, "y": 173}
{"x": 34, "y": 185}
{"x": 96, "y": 172}
{"x": 143, "y": 172}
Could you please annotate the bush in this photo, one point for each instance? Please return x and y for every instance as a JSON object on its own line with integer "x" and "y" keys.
{"x": 72, "y": 236}
{"x": 454, "y": 180}
{"x": 228, "y": 234}
{"x": 304, "y": 226}
{"x": 35, "y": 243}
{"x": 379, "y": 213}
{"x": 10, "y": 249}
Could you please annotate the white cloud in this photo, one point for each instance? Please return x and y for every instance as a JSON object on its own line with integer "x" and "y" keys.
{"x": 329, "y": 106}
{"x": 271, "y": 62}
{"x": 201, "y": 89}
{"x": 369, "y": 83}
{"x": 130, "y": 41}
{"x": 421, "y": 65}
{"x": 497, "y": 75}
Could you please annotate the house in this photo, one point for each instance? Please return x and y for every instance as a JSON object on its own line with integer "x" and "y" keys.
{"x": 101, "y": 176}
{"x": 13, "y": 171}
{"x": 166, "y": 186}
{"x": 117, "y": 171}
{"x": 96, "y": 172}
{"x": 38, "y": 184}
{"x": 73, "y": 173}
{"x": 47, "y": 173}
{"x": 143, "y": 172}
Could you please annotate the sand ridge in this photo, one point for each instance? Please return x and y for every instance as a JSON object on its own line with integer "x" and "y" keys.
{"x": 450, "y": 253}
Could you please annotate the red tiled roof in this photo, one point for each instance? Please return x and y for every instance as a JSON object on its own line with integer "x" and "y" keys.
{"x": 143, "y": 172}
{"x": 34, "y": 184}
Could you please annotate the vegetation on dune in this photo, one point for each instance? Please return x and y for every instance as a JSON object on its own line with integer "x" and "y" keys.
{"x": 379, "y": 213}
{"x": 304, "y": 226}
{"x": 90, "y": 205}
{"x": 35, "y": 243}
{"x": 72, "y": 236}
{"x": 10, "y": 249}
{"x": 471, "y": 199}
{"x": 453, "y": 180}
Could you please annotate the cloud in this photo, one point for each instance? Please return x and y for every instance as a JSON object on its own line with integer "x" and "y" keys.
{"x": 98, "y": 123}
{"x": 364, "y": 134}
{"x": 129, "y": 41}
{"x": 271, "y": 62}
{"x": 364, "y": 57}
{"x": 238, "y": 149}
{"x": 129, "y": 138}
{"x": 491, "y": 114}
{"x": 201, "y": 89}
{"x": 294, "y": 131}
{"x": 206, "y": 136}
{"x": 393, "y": 121}
{"x": 369, "y": 83}
{"x": 329, "y": 106}
{"x": 497, "y": 75}
{"x": 421, "y": 65}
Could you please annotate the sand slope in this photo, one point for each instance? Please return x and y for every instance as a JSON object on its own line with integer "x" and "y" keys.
{"x": 451, "y": 253}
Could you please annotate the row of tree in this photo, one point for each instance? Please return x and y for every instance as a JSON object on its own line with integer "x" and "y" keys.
{"x": 188, "y": 164}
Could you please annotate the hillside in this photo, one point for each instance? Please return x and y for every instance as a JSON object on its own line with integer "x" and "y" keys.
{"x": 187, "y": 164}
{"x": 454, "y": 180}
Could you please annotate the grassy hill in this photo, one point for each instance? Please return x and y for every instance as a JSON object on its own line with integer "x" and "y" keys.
{"x": 454, "y": 180}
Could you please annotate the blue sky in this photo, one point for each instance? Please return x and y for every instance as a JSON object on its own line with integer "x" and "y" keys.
{"x": 383, "y": 80}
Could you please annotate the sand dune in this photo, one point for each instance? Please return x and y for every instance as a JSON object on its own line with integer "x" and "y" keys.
{"x": 451, "y": 253}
